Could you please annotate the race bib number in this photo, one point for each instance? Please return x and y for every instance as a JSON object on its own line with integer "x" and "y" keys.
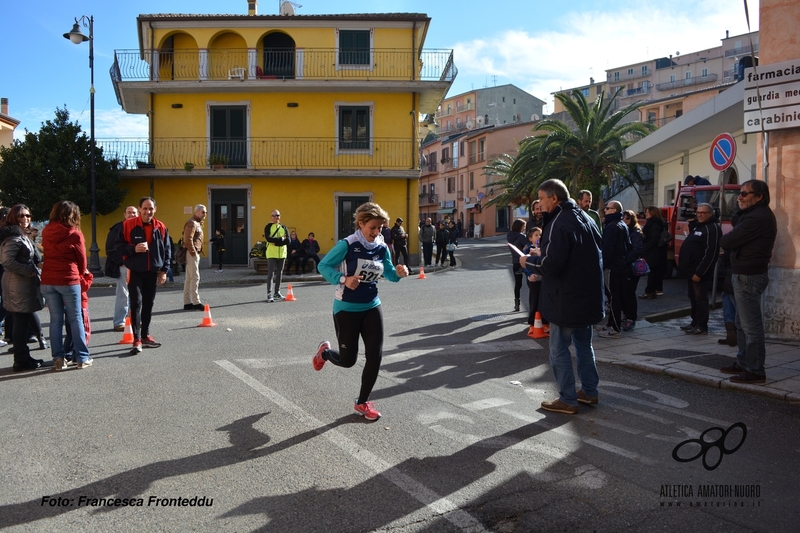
{"x": 369, "y": 271}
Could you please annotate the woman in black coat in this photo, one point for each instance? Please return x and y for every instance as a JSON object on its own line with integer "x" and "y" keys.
{"x": 442, "y": 236}
{"x": 655, "y": 255}
{"x": 518, "y": 239}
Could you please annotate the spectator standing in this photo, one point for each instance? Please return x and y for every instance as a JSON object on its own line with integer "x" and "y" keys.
{"x": 400, "y": 242}
{"x": 310, "y": 247}
{"x": 571, "y": 265}
{"x": 218, "y": 241}
{"x": 452, "y": 243}
{"x": 751, "y": 242}
{"x": 427, "y": 234}
{"x": 534, "y": 284}
{"x": 386, "y": 233}
{"x": 115, "y": 268}
{"x": 699, "y": 254}
{"x": 728, "y": 301}
{"x": 616, "y": 245}
{"x": 537, "y": 219}
{"x": 21, "y": 283}
{"x": 277, "y": 239}
{"x": 654, "y": 252}
{"x": 144, "y": 245}
{"x": 518, "y": 239}
{"x": 355, "y": 265}
{"x": 442, "y": 236}
{"x": 62, "y": 275}
{"x": 630, "y": 304}
{"x": 294, "y": 253}
{"x": 193, "y": 242}
{"x": 585, "y": 203}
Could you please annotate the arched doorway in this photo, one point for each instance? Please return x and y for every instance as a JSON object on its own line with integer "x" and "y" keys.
{"x": 279, "y": 56}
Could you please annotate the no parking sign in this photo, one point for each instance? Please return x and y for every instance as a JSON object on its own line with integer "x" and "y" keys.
{"x": 723, "y": 151}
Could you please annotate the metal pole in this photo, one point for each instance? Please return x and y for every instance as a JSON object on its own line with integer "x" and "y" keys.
{"x": 94, "y": 257}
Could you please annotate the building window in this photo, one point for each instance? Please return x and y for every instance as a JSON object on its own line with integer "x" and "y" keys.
{"x": 482, "y": 149}
{"x": 433, "y": 163}
{"x": 451, "y": 184}
{"x": 672, "y": 78}
{"x": 424, "y": 189}
{"x": 471, "y": 180}
{"x": 704, "y": 73}
{"x": 515, "y": 100}
{"x": 616, "y": 76}
{"x": 630, "y": 72}
{"x": 354, "y": 47}
{"x": 472, "y": 152}
{"x": 688, "y": 75}
{"x": 644, "y": 70}
{"x": 354, "y": 128}
{"x": 228, "y": 135}
{"x": 585, "y": 92}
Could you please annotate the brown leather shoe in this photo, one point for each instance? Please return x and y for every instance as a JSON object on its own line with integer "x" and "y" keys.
{"x": 647, "y": 297}
{"x": 588, "y": 400}
{"x": 557, "y": 406}
{"x": 732, "y": 369}
{"x": 748, "y": 377}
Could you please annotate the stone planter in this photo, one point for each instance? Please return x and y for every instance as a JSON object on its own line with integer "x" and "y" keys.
{"x": 261, "y": 266}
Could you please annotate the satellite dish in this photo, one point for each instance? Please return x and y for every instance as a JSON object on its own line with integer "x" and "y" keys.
{"x": 534, "y": 117}
{"x": 480, "y": 121}
{"x": 287, "y": 8}
{"x": 470, "y": 124}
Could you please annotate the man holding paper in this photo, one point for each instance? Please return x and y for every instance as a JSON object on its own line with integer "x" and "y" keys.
{"x": 570, "y": 262}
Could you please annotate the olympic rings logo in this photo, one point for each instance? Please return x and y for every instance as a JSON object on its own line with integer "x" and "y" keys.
{"x": 706, "y": 446}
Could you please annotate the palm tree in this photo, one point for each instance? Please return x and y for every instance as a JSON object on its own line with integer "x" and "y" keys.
{"x": 584, "y": 155}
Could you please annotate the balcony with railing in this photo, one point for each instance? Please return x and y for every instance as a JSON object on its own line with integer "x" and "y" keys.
{"x": 465, "y": 107}
{"x": 444, "y": 113}
{"x": 428, "y": 199}
{"x": 309, "y": 64}
{"x": 261, "y": 153}
{"x": 698, "y": 80}
{"x": 742, "y": 50}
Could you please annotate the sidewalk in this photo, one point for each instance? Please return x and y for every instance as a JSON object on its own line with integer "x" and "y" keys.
{"x": 662, "y": 347}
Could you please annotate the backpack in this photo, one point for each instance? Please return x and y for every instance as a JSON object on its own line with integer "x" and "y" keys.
{"x": 665, "y": 238}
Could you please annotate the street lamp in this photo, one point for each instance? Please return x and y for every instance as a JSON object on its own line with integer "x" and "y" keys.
{"x": 76, "y": 36}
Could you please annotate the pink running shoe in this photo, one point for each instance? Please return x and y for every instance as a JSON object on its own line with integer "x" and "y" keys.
{"x": 367, "y": 410}
{"x": 318, "y": 361}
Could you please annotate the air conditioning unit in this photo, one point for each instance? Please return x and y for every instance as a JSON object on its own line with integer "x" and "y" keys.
{"x": 466, "y": 199}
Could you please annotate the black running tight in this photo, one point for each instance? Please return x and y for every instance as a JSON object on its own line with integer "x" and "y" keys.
{"x": 349, "y": 325}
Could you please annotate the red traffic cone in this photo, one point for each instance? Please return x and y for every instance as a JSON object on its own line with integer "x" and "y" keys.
{"x": 536, "y": 331}
{"x": 127, "y": 335}
{"x": 422, "y": 274}
{"x": 207, "y": 321}
{"x": 290, "y": 294}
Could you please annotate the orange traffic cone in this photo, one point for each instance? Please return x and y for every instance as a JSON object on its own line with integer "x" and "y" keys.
{"x": 536, "y": 331}
{"x": 290, "y": 294}
{"x": 207, "y": 321}
{"x": 421, "y": 273}
{"x": 127, "y": 335}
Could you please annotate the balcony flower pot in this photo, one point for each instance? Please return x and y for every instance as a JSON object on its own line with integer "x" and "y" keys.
{"x": 188, "y": 167}
{"x": 217, "y": 161}
{"x": 144, "y": 164}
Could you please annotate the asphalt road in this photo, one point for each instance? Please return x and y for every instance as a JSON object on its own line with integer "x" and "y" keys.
{"x": 235, "y": 416}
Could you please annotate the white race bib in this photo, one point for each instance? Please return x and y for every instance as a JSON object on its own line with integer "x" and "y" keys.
{"x": 369, "y": 271}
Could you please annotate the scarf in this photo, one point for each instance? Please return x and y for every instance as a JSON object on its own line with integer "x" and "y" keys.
{"x": 365, "y": 243}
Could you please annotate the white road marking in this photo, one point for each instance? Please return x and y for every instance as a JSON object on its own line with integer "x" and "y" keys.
{"x": 669, "y": 409}
{"x": 666, "y": 399}
{"x": 487, "y": 403}
{"x": 438, "y": 505}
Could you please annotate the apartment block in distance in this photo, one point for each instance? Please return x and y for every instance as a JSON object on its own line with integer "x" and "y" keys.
{"x": 309, "y": 114}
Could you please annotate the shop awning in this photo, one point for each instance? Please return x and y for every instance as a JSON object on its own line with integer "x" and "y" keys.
{"x": 470, "y": 206}
{"x": 448, "y": 211}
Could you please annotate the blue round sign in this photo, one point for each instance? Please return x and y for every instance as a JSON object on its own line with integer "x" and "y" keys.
{"x": 723, "y": 151}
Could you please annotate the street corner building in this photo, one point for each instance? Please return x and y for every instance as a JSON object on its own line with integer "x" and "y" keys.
{"x": 310, "y": 114}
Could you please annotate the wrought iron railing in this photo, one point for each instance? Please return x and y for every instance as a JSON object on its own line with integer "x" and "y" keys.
{"x": 261, "y": 153}
{"x": 302, "y": 63}
{"x": 710, "y": 78}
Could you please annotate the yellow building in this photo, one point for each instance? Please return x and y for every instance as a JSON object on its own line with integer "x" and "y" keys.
{"x": 7, "y": 124}
{"x": 309, "y": 114}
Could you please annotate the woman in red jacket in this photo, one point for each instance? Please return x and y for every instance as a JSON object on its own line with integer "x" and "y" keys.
{"x": 63, "y": 268}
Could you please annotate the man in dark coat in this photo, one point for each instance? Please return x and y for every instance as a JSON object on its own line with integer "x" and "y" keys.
{"x": 571, "y": 265}
{"x": 699, "y": 254}
{"x": 616, "y": 245}
{"x": 115, "y": 268}
{"x": 750, "y": 241}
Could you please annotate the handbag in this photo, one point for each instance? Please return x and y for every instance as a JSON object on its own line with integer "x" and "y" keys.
{"x": 451, "y": 247}
{"x": 180, "y": 255}
{"x": 640, "y": 267}
{"x": 37, "y": 289}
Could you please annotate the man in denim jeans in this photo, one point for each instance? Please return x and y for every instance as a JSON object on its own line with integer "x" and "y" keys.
{"x": 750, "y": 242}
{"x": 571, "y": 265}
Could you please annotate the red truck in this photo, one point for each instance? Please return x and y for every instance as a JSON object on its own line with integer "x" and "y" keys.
{"x": 683, "y": 210}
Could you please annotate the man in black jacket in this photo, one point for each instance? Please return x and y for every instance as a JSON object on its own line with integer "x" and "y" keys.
{"x": 571, "y": 265}
{"x": 616, "y": 244}
{"x": 750, "y": 241}
{"x": 116, "y": 269}
{"x": 699, "y": 254}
